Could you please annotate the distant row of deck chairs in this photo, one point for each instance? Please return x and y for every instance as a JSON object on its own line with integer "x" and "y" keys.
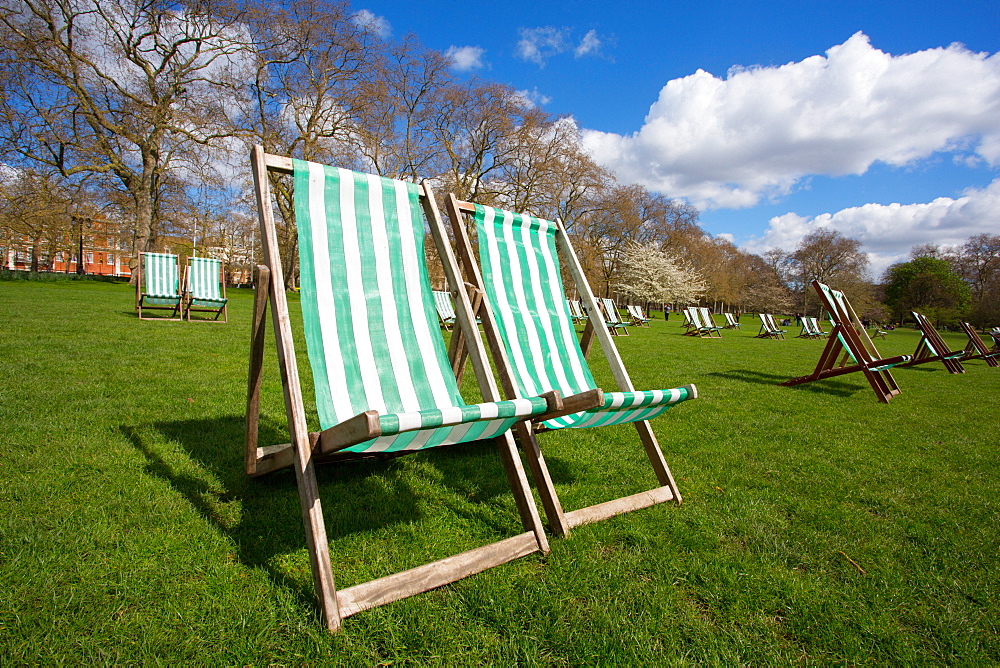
{"x": 613, "y": 320}
{"x": 850, "y": 349}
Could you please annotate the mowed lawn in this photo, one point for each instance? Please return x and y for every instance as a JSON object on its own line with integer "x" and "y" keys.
{"x": 818, "y": 525}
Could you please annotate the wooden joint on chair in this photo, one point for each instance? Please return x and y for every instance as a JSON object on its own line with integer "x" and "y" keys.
{"x": 358, "y": 429}
{"x": 575, "y": 404}
{"x": 553, "y": 400}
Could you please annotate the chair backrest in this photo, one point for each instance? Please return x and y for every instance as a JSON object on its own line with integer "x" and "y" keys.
{"x": 850, "y": 332}
{"x": 204, "y": 278}
{"x": 706, "y": 318}
{"x": 524, "y": 289}
{"x": 767, "y": 320}
{"x": 574, "y": 307}
{"x": 688, "y": 320}
{"x": 160, "y": 274}
{"x": 369, "y": 313}
{"x": 614, "y": 318}
{"x": 730, "y": 320}
{"x": 443, "y": 304}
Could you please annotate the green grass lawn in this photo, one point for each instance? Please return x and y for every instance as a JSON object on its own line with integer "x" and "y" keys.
{"x": 819, "y": 526}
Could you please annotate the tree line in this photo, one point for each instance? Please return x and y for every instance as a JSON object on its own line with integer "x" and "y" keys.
{"x": 144, "y": 111}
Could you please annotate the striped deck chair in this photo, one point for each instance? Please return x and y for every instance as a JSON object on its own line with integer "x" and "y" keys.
{"x": 690, "y": 327}
{"x": 639, "y": 318}
{"x": 707, "y": 326}
{"x": 575, "y": 312}
{"x": 206, "y": 289}
{"x": 445, "y": 308}
{"x": 158, "y": 286}
{"x": 995, "y": 335}
{"x": 613, "y": 319}
{"x": 382, "y": 378}
{"x": 731, "y": 321}
{"x": 976, "y": 348}
{"x": 533, "y": 341}
{"x": 810, "y": 329}
{"x": 769, "y": 330}
{"x": 932, "y": 348}
{"x": 849, "y": 349}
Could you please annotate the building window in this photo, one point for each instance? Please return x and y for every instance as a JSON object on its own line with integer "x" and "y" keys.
{"x": 111, "y": 259}
{"x": 90, "y": 258}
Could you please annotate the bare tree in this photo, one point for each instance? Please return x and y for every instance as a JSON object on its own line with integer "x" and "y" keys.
{"x": 311, "y": 70}
{"x": 829, "y": 257}
{"x": 121, "y": 89}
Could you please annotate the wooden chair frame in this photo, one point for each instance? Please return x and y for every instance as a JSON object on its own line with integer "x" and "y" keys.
{"x": 559, "y": 520}
{"x": 849, "y": 342}
{"x": 306, "y": 449}
{"x": 140, "y": 296}
{"x": 976, "y": 348}
{"x": 932, "y": 348}
{"x": 189, "y": 298}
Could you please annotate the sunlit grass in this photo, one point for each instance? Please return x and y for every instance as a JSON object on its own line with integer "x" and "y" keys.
{"x": 818, "y": 525}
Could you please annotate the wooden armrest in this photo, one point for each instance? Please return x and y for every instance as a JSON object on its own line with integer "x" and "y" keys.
{"x": 358, "y": 429}
{"x": 574, "y": 404}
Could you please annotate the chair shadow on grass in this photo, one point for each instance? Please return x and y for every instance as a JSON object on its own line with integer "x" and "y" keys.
{"x": 836, "y": 388}
{"x": 358, "y": 497}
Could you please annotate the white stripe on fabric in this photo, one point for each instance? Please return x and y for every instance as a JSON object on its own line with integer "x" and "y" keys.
{"x": 390, "y": 314}
{"x": 356, "y": 294}
{"x": 332, "y": 354}
{"x": 505, "y": 311}
{"x": 489, "y": 411}
{"x": 411, "y": 273}
{"x": 451, "y": 415}
{"x": 522, "y": 406}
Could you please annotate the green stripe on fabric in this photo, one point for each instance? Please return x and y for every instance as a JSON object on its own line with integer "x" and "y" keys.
{"x": 307, "y": 287}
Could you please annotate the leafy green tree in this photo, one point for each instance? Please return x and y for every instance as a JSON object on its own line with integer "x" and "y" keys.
{"x": 929, "y": 285}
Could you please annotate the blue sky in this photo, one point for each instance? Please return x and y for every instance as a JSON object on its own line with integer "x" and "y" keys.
{"x": 779, "y": 116}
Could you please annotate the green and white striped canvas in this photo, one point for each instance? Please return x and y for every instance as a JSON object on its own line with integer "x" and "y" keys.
{"x": 524, "y": 289}
{"x": 445, "y": 307}
{"x": 369, "y": 314}
{"x": 160, "y": 278}
{"x": 614, "y": 318}
{"x": 204, "y": 282}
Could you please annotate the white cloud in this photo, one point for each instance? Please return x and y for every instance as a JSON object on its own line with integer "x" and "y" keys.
{"x": 533, "y": 98}
{"x": 537, "y": 45}
{"x": 590, "y": 43}
{"x": 888, "y": 232}
{"x": 465, "y": 58}
{"x": 757, "y": 133}
{"x": 377, "y": 25}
